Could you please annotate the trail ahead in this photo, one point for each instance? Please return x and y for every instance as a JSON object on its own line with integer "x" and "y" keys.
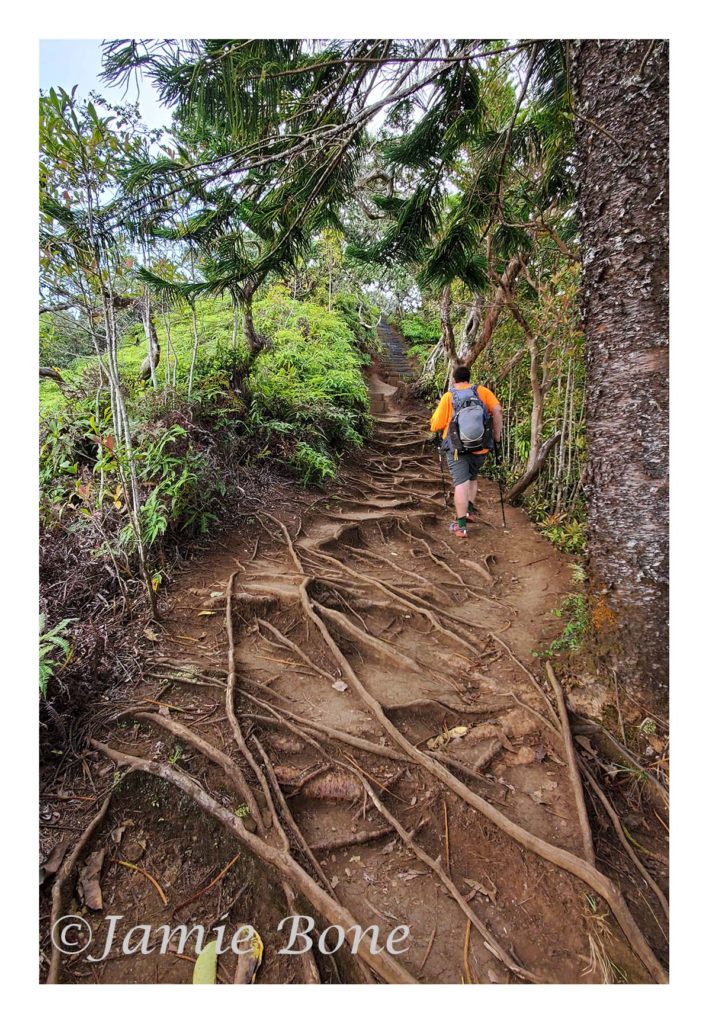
{"x": 362, "y": 632}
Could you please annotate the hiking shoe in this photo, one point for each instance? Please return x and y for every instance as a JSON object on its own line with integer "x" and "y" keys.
{"x": 457, "y": 532}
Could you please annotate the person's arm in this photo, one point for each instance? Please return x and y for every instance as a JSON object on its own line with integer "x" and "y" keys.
{"x": 442, "y": 415}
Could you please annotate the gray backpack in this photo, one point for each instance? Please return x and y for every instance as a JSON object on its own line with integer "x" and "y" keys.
{"x": 471, "y": 426}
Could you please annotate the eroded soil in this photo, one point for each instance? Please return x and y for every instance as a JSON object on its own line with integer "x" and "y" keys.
{"x": 443, "y": 633}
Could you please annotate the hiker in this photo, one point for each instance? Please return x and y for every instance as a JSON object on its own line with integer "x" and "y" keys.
{"x": 470, "y": 418}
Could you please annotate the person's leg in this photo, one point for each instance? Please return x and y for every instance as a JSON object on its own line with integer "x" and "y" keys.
{"x": 461, "y": 497}
{"x": 472, "y": 493}
{"x": 476, "y": 462}
{"x": 460, "y": 475}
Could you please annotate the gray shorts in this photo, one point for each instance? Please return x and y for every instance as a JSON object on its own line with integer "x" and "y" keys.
{"x": 465, "y": 467}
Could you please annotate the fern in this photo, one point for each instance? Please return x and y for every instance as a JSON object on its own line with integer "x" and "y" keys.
{"x": 51, "y": 641}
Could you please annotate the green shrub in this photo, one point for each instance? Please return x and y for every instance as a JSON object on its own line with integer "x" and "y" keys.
{"x": 181, "y": 486}
{"x": 312, "y": 466}
{"x": 566, "y": 533}
{"x": 308, "y": 383}
{"x": 417, "y": 328}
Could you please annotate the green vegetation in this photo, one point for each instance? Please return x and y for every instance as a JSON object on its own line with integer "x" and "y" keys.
{"x": 574, "y": 610}
{"x": 204, "y": 329}
{"x": 52, "y": 642}
{"x": 421, "y": 334}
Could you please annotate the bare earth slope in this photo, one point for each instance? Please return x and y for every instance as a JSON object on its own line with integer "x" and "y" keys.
{"x": 442, "y": 634}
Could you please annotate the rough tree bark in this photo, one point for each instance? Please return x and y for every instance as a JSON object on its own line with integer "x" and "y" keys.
{"x": 621, "y": 100}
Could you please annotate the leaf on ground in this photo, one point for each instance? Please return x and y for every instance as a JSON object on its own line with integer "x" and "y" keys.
{"x": 205, "y": 968}
{"x": 205, "y": 613}
{"x": 150, "y": 634}
{"x": 340, "y": 686}
{"x": 249, "y": 961}
{"x": 54, "y": 861}
{"x": 585, "y": 744}
{"x": 478, "y": 888}
{"x": 407, "y": 876}
{"x": 89, "y": 881}
{"x": 446, "y": 736}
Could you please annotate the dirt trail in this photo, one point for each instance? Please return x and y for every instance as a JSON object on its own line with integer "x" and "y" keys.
{"x": 442, "y": 633}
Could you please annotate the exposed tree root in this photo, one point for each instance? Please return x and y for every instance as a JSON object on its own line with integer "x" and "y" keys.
{"x": 362, "y": 838}
{"x": 488, "y": 938}
{"x": 479, "y": 569}
{"x": 615, "y": 750}
{"x": 620, "y": 832}
{"x": 376, "y": 557}
{"x": 218, "y": 757}
{"x": 534, "y": 681}
{"x": 381, "y": 647}
{"x": 415, "y": 605}
{"x": 61, "y": 882}
{"x": 573, "y": 766}
{"x": 291, "y": 822}
{"x": 296, "y": 649}
{"x": 555, "y": 855}
{"x": 383, "y": 965}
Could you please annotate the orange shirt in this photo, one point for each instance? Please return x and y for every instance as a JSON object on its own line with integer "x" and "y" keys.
{"x": 444, "y": 411}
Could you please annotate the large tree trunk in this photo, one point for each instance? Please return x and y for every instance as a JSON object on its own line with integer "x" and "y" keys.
{"x": 622, "y": 107}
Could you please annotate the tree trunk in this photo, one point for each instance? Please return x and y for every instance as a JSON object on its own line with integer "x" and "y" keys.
{"x": 470, "y": 330}
{"x": 506, "y": 286}
{"x": 447, "y": 335}
{"x": 533, "y": 469}
{"x": 623, "y": 87}
{"x": 152, "y": 359}
{"x": 252, "y": 338}
{"x": 234, "y": 322}
{"x": 195, "y": 346}
{"x": 536, "y": 425}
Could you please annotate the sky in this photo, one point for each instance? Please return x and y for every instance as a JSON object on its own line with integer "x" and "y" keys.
{"x": 70, "y": 62}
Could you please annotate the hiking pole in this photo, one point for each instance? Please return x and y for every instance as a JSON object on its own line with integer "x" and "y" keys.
{"x": 436, "y": 440}
{"x": 498, "y": 461}
{"x": 443, "y": 477}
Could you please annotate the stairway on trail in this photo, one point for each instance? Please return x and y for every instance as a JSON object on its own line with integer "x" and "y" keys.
{"x": 394, "y": 358}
